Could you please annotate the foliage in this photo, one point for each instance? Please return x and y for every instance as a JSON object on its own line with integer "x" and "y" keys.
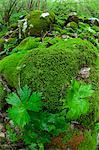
{"x": 75, "y": 101}
{"x": 97, "y": 126}
{"x": 86, "y": 8}
{"x": 39, "y": 126}
{"x": 27, "y": 113}
{"x": 21, "y": 103}
{"x": 11, "y": 134}
{"x": 89, "y": 142}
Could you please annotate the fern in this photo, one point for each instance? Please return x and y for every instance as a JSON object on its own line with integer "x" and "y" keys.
{"x": 21, "y": 102}
{"x": 76, "y": 102}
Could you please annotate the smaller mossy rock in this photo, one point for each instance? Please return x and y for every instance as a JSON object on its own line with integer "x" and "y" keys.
{"x": 1, "y": 44}
{"x": 27, "y": 44}
{"x": 37, "y": 24}
{"x": 48, "y": 69}
{"x": 72, "y": 25}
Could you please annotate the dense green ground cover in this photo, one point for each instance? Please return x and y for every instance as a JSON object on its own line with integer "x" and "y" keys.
{"x": 49, "y": 81}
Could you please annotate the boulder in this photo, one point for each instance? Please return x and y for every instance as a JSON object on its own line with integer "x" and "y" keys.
{"x": 49, "y": 70}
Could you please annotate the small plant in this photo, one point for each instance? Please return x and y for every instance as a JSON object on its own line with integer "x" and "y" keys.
{"x": 38, "y": 126}
{"x": 21, "y": 103}
{"x": 76, "y": 101}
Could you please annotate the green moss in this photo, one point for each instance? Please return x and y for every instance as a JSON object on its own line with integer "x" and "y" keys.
{"x": 37, "y": 24}
{"x": 89, "y": 142}
{"x": 1, "y": 44}
{"x": 2, "y": 91}
{"x": 1, "y": 41}
{"x": 9, "y": 70}
{"x": 2, "y": 94}
{"x": 72, "y": 25}
{"x": 96, "y": 28}
{"x": 27, "y": 44}
{"x": 48, "y": 70}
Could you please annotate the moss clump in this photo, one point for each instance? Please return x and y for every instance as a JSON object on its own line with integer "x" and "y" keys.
{"x": 9, "y": 70}
{"x": 72, "y": 25}
{"x": 37, "y": 24}
{"x": 49, "y": 70}
{"x": 27, "y": 44}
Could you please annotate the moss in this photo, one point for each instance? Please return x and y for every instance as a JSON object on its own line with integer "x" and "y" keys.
{"x": 89, "y": 142}
{"x": 1, "y": 44}
{"x": 2, "y": 94}
{"x": 48, "y": 70}
{"x": 27, "y": 44}
{"x": 96, "y": 28}
{"x": 72, "y": 25}
{"x": 37, "y": 24}
{"x": 13, "y": 26}
{"x": 9, "y": 70}
{"x": 2, "y": 91}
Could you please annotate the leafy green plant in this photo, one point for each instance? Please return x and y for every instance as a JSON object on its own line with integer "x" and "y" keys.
{"x": 76, "y": 101}
{"x": 21, "y": 103}
{"x": 38, "y": 126}
{"x": 11, "y": 135}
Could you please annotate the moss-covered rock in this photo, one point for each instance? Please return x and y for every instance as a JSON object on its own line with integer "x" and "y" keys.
{"x": 72, "y": 25}
{"x": 37, "y": 24}
{"x": 48, "y": 70}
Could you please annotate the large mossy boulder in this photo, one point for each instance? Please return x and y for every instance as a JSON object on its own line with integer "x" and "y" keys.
{"x": 38, "y": 22}
{"x": 49, "y": 70}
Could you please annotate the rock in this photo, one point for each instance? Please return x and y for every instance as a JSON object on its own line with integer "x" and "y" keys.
{"x": 48, "y": 69}
{"x": 37, "y": 23}
{"x": 84, "y": 72}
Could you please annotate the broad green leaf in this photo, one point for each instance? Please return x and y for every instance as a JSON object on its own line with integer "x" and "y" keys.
{"x": 34, "y": 102}
{"x": 24, "y": 93}
{"x": 13, "y": 99}
{"x": 19, "y": 116}
{"x": 76, "y": 101}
